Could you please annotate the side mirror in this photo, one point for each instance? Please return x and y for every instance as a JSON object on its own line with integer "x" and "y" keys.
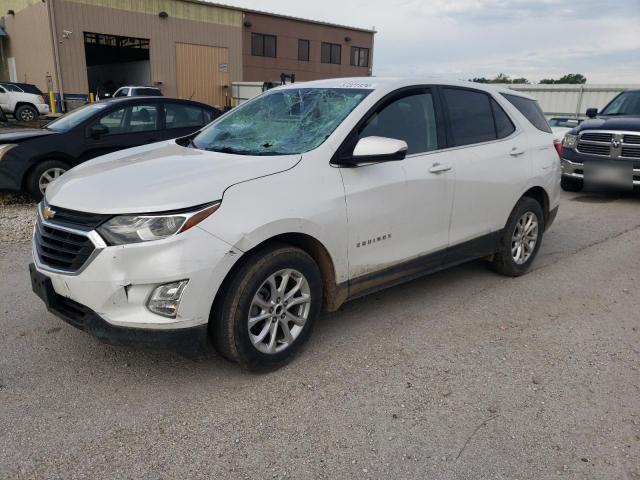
{"x": 592, "y": 112}
{"x": 98, "y": 130}
{"x": 377, "y": 149}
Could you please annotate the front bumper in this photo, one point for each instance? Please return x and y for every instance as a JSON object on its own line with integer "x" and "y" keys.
{"x": 185, "y": 340}
{"x": 115, "y": 282}
{"x": 575, "y": 170}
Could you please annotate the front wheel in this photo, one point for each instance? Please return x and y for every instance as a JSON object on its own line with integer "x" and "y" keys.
{"x": 42, "y": 175}
{"x": 268, "y": 308}
{"x": 521, "y": 239}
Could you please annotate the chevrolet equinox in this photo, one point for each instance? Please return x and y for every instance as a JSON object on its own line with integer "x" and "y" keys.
{"x": 302, "y": 198}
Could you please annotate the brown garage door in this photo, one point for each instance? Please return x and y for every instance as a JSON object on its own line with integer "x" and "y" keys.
{"x": 203, "y": 72}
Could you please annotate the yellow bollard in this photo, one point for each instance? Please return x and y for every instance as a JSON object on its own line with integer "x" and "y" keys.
{"x": 52, "y": 101}
{"x": 91, "y": 97}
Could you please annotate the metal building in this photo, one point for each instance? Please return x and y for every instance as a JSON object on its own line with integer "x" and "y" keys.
{"x": 188, "y": 48}
{"x": 571, "y": 100}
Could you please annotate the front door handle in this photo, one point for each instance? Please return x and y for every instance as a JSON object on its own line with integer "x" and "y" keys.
{"x": 439, "y": 168}
{"x": 515, "y": 151}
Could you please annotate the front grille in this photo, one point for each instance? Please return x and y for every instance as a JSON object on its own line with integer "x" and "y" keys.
{"x": 75, "y": 219}
{"x": 597, "y": 137}
{"x": 594, "y": 149}
{"x": 61, "y": 250}
{"x": 631, "y": 152}
{"x": 632, "y": 139}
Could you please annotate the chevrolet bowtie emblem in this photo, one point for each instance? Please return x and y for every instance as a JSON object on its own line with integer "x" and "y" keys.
{"x": 48, "y": 213}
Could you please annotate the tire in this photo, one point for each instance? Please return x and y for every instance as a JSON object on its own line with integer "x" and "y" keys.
{"x": 27, "y": 113}
{"x": 41, "y": 173}
{"x": 248, "y": 293}
{"x": 571, "y": 184}
{"x": 506, "y": 261}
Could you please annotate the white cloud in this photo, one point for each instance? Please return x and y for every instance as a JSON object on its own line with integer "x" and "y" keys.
{"x": 468, "y": 38}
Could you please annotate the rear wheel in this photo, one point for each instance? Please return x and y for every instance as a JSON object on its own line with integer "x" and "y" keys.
{"x": 42, "y": 175}
{"x": 268, "y": 308}
{"x": 521, "y": 239}
{"x": 571, "y": 184}
{"x": 26, "y": 113}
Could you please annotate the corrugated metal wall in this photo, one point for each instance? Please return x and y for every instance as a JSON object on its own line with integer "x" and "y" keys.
{"x": 139, "y": 18}
{"x": 571, "y": 100}
{"x": 203, "y": 73}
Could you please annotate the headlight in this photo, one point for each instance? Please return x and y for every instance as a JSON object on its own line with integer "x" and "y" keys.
{"x": 570, "y": 141}
{"x": 5, "y": 148}
{"x": 125, "y": 229}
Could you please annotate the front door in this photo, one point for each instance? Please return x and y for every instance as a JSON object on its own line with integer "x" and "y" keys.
{"x": 399, "y": 211}
{"x": 129, "y": 126}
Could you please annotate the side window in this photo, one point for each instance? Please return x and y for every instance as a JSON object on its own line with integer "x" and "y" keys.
{"x": 180, "y": 116}
{"x": 504, "y": 126}
{"x": 123, "y": 92}
{"x": 411, "y": 118}
{"x": 470, "y": 116}
{"x": 531, "y": 110}
{"x": 131, "y": 119}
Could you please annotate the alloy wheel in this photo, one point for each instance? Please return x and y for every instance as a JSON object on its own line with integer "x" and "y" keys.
{"x": 525, "y": 238}
{"x": 27, "y": 115}
{"x": 49, "y": 176}
{"x": 279, "y": 311}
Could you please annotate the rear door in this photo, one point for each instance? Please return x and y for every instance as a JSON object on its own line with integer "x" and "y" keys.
{"x": 399, "y": 210}
{"x": 182, "y": 119}
{"x": 131, "y": 125}
{"x": 491, "y": 162}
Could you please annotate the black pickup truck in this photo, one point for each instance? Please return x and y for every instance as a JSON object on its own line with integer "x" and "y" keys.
{"x": 603, "y": 152}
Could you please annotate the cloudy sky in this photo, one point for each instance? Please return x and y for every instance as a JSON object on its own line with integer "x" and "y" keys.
{"x": 459, "y": 39}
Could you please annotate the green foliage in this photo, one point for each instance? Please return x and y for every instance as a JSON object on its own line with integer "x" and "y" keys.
{"x": 500, "y": 78}
{"x": 571, "y": 78}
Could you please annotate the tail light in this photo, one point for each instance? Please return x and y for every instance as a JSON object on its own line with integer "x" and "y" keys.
{"x": 558, "y": 146}
{"x": 41, "y": 98}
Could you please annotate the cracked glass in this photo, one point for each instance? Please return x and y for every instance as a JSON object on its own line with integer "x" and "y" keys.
{"x": 281, "y": 122}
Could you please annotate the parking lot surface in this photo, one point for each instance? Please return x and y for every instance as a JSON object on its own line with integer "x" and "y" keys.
{"x": 461, "y": 375}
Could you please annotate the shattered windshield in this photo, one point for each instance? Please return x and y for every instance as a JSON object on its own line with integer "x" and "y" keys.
{"x": 281, "y": 122}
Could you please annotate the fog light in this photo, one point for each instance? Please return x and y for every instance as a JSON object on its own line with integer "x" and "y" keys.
{"x": 165, "y": 299}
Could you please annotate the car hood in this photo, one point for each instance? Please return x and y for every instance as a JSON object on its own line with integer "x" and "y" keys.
{"x": 157, "y": 178}
{"x": 14, "y": 135}
{"x": 630, "y": 123}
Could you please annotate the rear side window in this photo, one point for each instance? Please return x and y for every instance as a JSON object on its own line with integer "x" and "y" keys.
{"x": 531, "y": 110}
{"x": 504, "y": 126}
{"x": 181, "y": 116}
{"x": 147, "y": 92}
{"x": 470, "y": 116}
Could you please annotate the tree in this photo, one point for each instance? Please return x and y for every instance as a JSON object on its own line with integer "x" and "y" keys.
{"x": 571, "y": 78}
{"x": 500, "y": 78}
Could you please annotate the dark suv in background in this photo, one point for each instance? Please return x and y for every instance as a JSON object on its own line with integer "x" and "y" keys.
{"x": 603, "y": 152}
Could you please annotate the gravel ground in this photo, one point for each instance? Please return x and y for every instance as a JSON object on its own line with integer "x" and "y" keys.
{"x": 461, "y": 375}
{"x": 16, "y": 222}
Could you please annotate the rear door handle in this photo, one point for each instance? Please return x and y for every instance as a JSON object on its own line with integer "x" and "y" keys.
{"x": 515, "y": 151}
{"x": 439, "y": 168}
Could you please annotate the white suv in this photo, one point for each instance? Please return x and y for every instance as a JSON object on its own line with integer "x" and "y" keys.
{"x": 24, "y": 106}
{"x": 303, "y": 198}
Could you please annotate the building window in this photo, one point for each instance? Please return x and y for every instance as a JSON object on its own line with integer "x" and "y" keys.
{"x": 331, "y": 53}
{"x": 359, "y": 57}
{"x": 263, "y": 45}
{"x": 303, "y": 50}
